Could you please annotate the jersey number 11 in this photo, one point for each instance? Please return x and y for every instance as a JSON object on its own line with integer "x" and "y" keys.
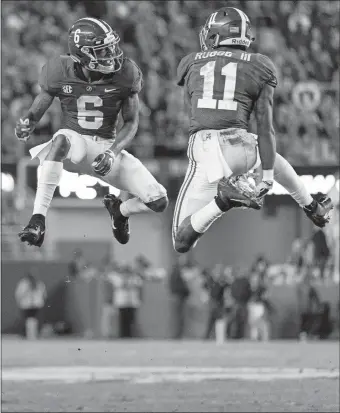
{"x": 207, "y": 101}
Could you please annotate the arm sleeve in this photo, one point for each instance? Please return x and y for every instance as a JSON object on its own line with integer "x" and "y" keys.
{"x": 182, "y": 70}
{"x": 137, "y": 79}
{"x": 268, "y": 71}
{"x": 50, "y": 76}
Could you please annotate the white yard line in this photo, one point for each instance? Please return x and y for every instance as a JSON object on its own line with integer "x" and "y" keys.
{"x": 145, "y": 375}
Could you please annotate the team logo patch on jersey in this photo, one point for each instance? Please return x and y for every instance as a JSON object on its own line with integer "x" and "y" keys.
{"x": 67, "y": 89}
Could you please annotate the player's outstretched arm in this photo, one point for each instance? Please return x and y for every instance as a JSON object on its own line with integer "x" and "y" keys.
{"x": 266, "y": 137}
{"x": 130, "y": 115}
{"x": 25, "y": 125}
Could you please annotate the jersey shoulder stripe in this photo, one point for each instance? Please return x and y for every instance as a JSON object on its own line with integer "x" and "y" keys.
{"x": 245, "y": 56}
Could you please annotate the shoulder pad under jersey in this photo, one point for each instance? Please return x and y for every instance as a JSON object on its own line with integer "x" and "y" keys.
{"x": 133, "y": 75}
{"x": 52, "y": 74}
{"x": 268, "y": 70}
{"x": 183, "y": 68}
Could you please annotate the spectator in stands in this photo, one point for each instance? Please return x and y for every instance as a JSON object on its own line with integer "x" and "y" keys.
{"x": 127, "y": 298}
{"x": 241, "y": 293}
{"x": 180, "y": 292}
{"x": 109, "y": 310}
{"x": 325, "y": 327}
{"x": 147, "y": 271}
{"x": 296, "y": 256}
{"x": 321, "y": 250}
{"x": 259, "y": 306}
{"x": 308, "y": 302}
{"x": 30, "y": 296}
{"x": 217, "y": 282}
{"x": 77, "y": 265}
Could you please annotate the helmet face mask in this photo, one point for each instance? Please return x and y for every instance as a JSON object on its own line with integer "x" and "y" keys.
{"x": 107, "y": 58}
{"x": 226, "y": 27}
{"x": 95, "y": 46}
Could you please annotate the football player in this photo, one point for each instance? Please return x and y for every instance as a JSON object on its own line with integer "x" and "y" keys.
{"x": 94, "y": 83}
{"x": 223, "y": 84}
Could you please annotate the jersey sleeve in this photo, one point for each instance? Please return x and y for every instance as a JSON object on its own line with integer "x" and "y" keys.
{"x": 268, "y": 72}
{"x": 182, "y": 70}
{"x": 135, "y": 77}
{"x": 51, "y": 76}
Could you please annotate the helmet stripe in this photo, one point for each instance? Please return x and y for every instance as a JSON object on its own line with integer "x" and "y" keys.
{"x": 212, "y": 19}
{"x": 244, "y": 22}
{"x": 109, "y": 28}
{"x": 100, "y": 24}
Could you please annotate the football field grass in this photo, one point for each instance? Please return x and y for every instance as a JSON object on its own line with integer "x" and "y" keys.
{"x": 69, "y": 375}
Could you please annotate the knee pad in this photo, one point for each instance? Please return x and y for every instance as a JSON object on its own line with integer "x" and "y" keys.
{"x": 159, "y": 205}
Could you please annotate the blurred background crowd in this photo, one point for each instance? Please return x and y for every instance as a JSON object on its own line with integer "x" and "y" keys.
{"x": 219, "y": 302}
{"x": 301, "y": 37}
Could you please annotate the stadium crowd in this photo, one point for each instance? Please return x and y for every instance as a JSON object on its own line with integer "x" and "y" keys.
{"x": 301, "y": 37}
{"x": 232, "y": 302}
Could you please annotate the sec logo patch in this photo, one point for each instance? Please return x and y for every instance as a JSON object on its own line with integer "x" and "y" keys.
{"x": 67, "y": 89}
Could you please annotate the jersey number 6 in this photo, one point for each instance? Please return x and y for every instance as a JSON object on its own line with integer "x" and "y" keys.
{"x": 83, "y": 114}
{"x": 207, "y": 101}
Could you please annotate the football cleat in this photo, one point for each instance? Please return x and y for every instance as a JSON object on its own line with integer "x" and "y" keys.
{"x": 120, "y": 224}
{"x": 34, "y": 232}
{"x": 237, "y": 192}
{"x": 319, "y": 210}
{"x": 186, "y": 236}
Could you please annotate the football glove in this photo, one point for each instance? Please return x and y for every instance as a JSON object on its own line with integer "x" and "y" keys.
{"x": 103, "y": 163}
{"x": 263, "y": 188}
{"x": 23, "y": 129}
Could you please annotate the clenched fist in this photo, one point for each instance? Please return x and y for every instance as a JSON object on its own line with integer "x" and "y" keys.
{"x": 103, "y": 163}
{"x": 23, "y": 129}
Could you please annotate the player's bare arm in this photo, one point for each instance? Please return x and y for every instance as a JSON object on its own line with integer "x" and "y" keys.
{"x": 266, "y": 137}
{"x": 103, "y": 163}
{"x": 26, "y": 124}
{"x": 265, "y": 129}
{"x": 130, "y": 115}
{"x": 40, "y": 105}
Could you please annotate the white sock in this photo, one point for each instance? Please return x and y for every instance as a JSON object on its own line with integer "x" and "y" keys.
{"x": 285, "y": 175}
{"x": 202, "y": 219}
{"x": 49, "y": 179}
{"x": 133, "y": 206}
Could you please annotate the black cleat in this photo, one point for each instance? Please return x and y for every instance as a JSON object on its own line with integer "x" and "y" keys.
{"x": 120, "y": 224}
{"x": 236, "y": 192}
{"x": 34, "y": 232}
{"x": 319, "y": 210}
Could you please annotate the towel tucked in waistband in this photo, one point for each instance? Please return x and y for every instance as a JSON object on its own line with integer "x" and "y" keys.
{"x": 215, "y": 165}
